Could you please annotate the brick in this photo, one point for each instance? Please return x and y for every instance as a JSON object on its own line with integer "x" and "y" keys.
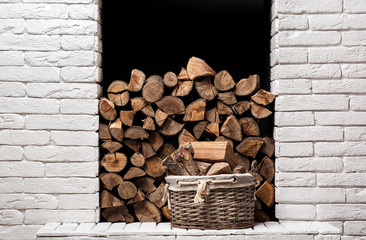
{"x": 340, "y": 118}
{"x": 309, "y": 6}
{"x": 77, "y": 43}
{"x": 357, "y": 228}
{"x": 274, "y": 27}
{"x": 313, "y": 38}
{"x": 312, "y": 102}
{"x": 30, "y": 74}
{"x": 356, "y": 195}
{"x": 11, "y": 58}
{"x": 295, "y": 179}
{"x": 354, "y": 6}
{"x": 79, "y": 106}
{"x": 46, "y": 216}
{"x": 78, "y": 201}
{"x": 276, "y": 237}
{"x": 355, "y": 133}
{"x": 311, "y": 195}
{"x": 307, "y": 71}
{"x": 62, "y": 122}
{"x": 342, "y": 179}
{"x": 340, "y": 149}
{"x": 337, "y": 54}
{"x": 292, "y": 55}
{"x": 79, "y": 74}
{"x": 327, "y": 237}
{"x": 83, "y": 12}
{"x": 75, "y": 138}
{"x": 295, "y": 212}
{"x": 355, "y": 164}
{"x": 60, "y": 59}
{"x": 12, "y": 89}
{"x": 337, "y": 21}
{"x": 354, "y": 70}
{"x": 352, "y": 238}
{"x": 24, "y": 137}
{"x": 293, "y": 22}
{"x": 313, "y": 133}
{"x": 60, "y": 185}
{"x": 85, "y": 169}
{"x": 341, "y": 212}
{"x": 11, "y": 121}
{"x": 339, "y": 86}
{"x": 354, "y": 38}
{"x": 274, "y": 43}
{"x": 294, "y": 149}
{"x": 28, "y": 201}
{"x": 11, "y": 26}
{"x": 11, "y": 153}
{"x": 61, "y": 154}
{"x": 294, "y": 119}
{"x": 21, "y": 169}
{"x": 317, "y": 164}
{"x": 11, "y": 217}
{"x": 19, "y": 232}
{"x": 61, "y": 27}
{"x": 29, "y": 42}
{"x": 357, "y": 103}
{"x": 32, "y": 11}
{"x": 274, "y": 59}
{"x": 62, "y": 90}
{"x": 298, "y": 86}
{"x": 11, "y": 185}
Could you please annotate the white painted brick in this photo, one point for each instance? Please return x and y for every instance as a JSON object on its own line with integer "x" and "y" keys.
{"x": 79, "y": 74}
{"x": 357, "y": 103}
{"x": 78, "y": 106}
{"x": 85, "y": 169}
{"x": 292, "y": 55}
{"x": 60, "y": 59}
{"x": 78, "y": 201}
{"x": 29, "y": 42}
{"x": 295, "y": 180}
{"x": 309, "y": 6}
{"x": 313, "y": 38}
{"x": 46, "y": 216}
{"x": 62, "y": 90}
{"x": 60, "y": 185}
{"x": 355, "y": 6}
{"x": 311, "y": 195}
{"x": 61, "y": 27}
{"x": 355, "y": 164}
{"x": 341, "y": 211}
{"x": 9, "y": 26}
{"x": 312, "y": 102}
{"x": 24, "y": 137}
{"x": 337, "y": 21}
{"x": 340, "y": 118}
{"x": 356, "y": 195}
{"x": 294, "y": 119}
{"x": 352, "y": 238}
{"x": 11, "y": 58}
{"x": 307, "y": 71}
{"x": 32, "y": 11}
{"x": 77, "y": 43}
{"x": 294, "y": 149}
{"x": 277, "y": 237}
{"x": 19, "y": 232}
{"x": 11, "y": 185}
{"x": 58, "y": 1}
{"x": 313, "y": 133}
{"x": 298, "y": 86}
{"x": 340, "y": 149}
{"x": 12, "y": 89}
{"x": 75, "y": 138}
{"x": 354, "y": 70}
{"x": 357, "y": 228}
{"x": 60, "y": 154}
{"x": 341, "y": 179}
{"x": 317, "y": 164}
{"x": 11, "y": 153}
{"x": 355, "y": 133}
{"x": 28, "y": 201}
{"x": 295, "y": 212}
{"x": 274, "y": 27}
{"x": 274, "y": 59}
{"x": 62, "y": 122}
{"x": 293, "y": 22}
{"x": 11, "y": 217}
{"x": 354, "y": 38}
{"x": 21, "y": 169}
{"x": 274, "y": 42}
{"x": 337, "y": 54}
{"x": 327, "y": 237}
{"x": 83, "y": 12}
{"x": 11, "y": 121}
{"x": 340, "y": 86}
{"x": 30, "y": 74}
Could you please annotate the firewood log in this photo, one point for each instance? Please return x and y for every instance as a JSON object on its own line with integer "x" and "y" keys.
{"x": 153, "y": 89}
{"x": 116, "y": 129}
{"x": 260, "y": 216}
{"x": 146, "y": 211}
{"x": 241, "y": 107}
{"x": 109, "y": 200}
{"x": 174, "y": 167}
{"x": 197, "y": 68}
{"x": 118, "y": 93}
{"x": 110, "y": 180}
{"x": 115, "y": 214}
{"x": 219, "y": 168}
{"x": 267, "y": 169}
{"x": 107, "y": 109}
{"x": 183, "y": 75}
{"x": 147, "y": 150}
{"x": 156, "y": 141}
{"x": 171, "y": 127}
{"x": 239, "y": 169}
{"x": 212, "y": 115}
{"x": 134, "y": 172}
{"x": 205, "y": 89}
{"x": 227, "y": 98}
{"x": 195, "y": 111}
{"x": 212, "y": 129}
{"x": 166, "y": 150}
{"x": 211, "y": 151}
{"x": 247, "y": 86}
{"x": 185, "y": 137}
{"x": 166, "y": 212}
{"x": 137, "y": 80}
{"x": 263, "y": 97}
{"x": 223, "y": 109}
{"x": 222, "y": 138}
{"x": 153, "y": 167}
{"x": 241, "y": 160}
{"x": 146, "y": 184}
{"x": 138, "y": 103}
{"x": 171, "y": 105}
{"x": 160, "y": 117}
{"x": 249, "y": 126}
{"x": 266, "y": 193}
{"x": 203, "y": 167}
{"x": 127, "y": 117}
{"x": 140, "y": 196}
{"x": 250, "y": 146}
{"x": 132, "y": 144}
{"x": 170, "y": 79}
{"x": 114, "y": 162}
{"x": 183, "y": 88}
{"x": 224, "y": 81}
{"x": 136, "y": 132}
{"x": 268, "y": 147}
{"x": 137, "y": 159}
{"x": 258, "y": 111}
{"x": 111, "y": 146}
{"x": 185, "y": 157}
{"x": 129, "y": 218}
{"x": 148, "y": 111}
{"x": 149, "y": 124}
{"x": 104, "y": 133}
{"x": 231, "y": 128}
{"x": 199, "y": 128}
{"x": 156, "y": 196}
{"x": 127, "y": 190}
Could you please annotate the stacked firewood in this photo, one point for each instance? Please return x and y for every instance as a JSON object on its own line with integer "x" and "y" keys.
{"x": 149, "y": 121}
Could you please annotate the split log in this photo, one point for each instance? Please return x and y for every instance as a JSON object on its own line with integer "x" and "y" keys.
{"x": 219, "y": 168}
{"x": 231, "y": 128}
{"x": 268, "y": 147}
{"x": 118, "y": 93}
{"x": 160, "y": 117}
{"x": 127, "y": 117}
{"x": 267, "y": 169}
{"x": 115, "y": 214}
{"x": 134, "y": 172}
{"x": 107, "y": 109}
{"x": 135, "y": 133}
{"x": 132, "y": 144}
{"x": 114, "y": 162}
{"x": 227, "y": 98}
{"x": 183, "y": 88}
{"x": 146, "y": 211}
{"x": 211, "y": 151}
{"x": 156, "y": 196}
{"x": 109, "y": 200}
{"x": 170, "y": 79}
{"x": 137, "y": 80}
{"x": 212, "y": 129}
{"x": 149, "y": 124}
{"x": 104, "y": 133}
{"x": 241, "y": 107}
{"x": 146, "y": 184}
{"x": 185, "y": 157}
{"x": 156, "y": 141}
{"x": 203, "y": 167}
{"x": 263, "y": 97}
{"x": 185, "y": 137}
{"x": 239, "y": 169}
{"x": 166, "y": 212}
{"x": 250, "y": 126}
{"x": 258, "y": 111}
{"x": 171, "y": 105}
{"x": 183, "y": 75}
{"x": 197, "y": 68}
{"x": 129, "y": 218}
{"x": 199, "y": 128}
{"x": 223, "y": 109}
{"x": 224, "y": 81}
{"x": 205, "y": 89}
{"x": 260, "y": 216}
{"x": 148, "y": 111}
{"x": 212, "y": 115}
{"x": 247, "y": 86}
{"x": 174, "y": 167}
{"x": 116, "y": 129}
{"x": 241, "y": 160}
{"x": 266, "y": 193}
{"x": 127, "y": 190}
{"x": 222, "y": 138}
{"x": 111, "y": 146}
{"x": 147, "y": 150}
{"x": 137, "y": 159}
{"x": 166, "y": 150}
{"x": 171, "y": 127}
{"x": 153, "y": 167}
{"x": 195, "y": 111}
{"x": 138, "y": 103}
{"x": 110, "y": 180}
{"x": 140, "y": 196}
{"x": 153, "y": 89}
{"x": 250, "y": 146}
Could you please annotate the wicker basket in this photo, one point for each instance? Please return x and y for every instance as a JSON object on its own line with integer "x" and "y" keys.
{"x": 229, "y": 203}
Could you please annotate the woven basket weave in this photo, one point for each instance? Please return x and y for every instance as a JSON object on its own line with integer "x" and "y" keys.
{"x": 229, "y": 204}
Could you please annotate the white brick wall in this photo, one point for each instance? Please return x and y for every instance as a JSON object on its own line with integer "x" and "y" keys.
{"x": 318, "y": 61}
{"x": 49, "y": 70}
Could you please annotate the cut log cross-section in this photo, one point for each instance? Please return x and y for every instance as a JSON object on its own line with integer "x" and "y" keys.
{"x": 153, "y": 89}
{"x": 231, "y": 128}
{"x": 224, "y": 81}
{"x": 247, "y": 86}
{"x": 197, "y": 68}
{"x": 195, "y": 111}
{"x": 118, "y": 93}
{"x": 137, "y": 80}
{"x": 205, "y": 89}
{"x": 107, "y": 109}
{"x": 114, "y": 162}
{"x": 170, "y": 79}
